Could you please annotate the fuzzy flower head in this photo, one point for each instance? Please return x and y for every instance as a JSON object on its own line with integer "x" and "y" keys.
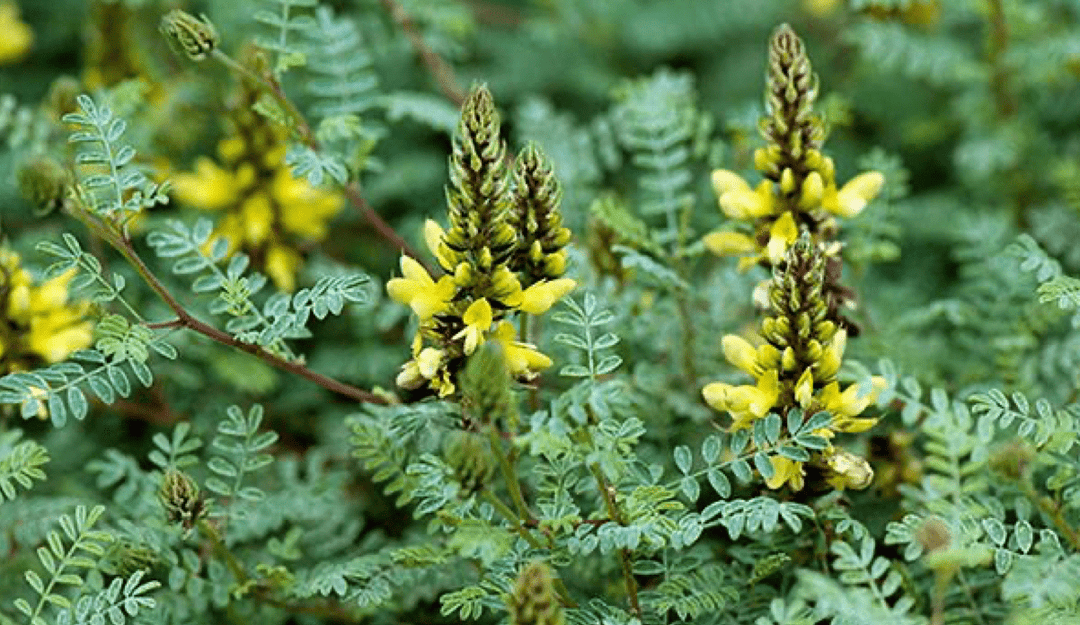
{"x": 502, "y": 255}
{"x": 38, "y": 325}
{"x": 794, "y": 366}
{"x": 799, "y": 191}
{"x": 263, "y": 209}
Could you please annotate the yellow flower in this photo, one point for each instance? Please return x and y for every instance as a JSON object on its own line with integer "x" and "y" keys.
{"x": 256, "y": 217}
{"x": 281, "y": 265}
{"x": 831, "y": 357}
{"x": 786, "y": 471}
{"x": 210, "y": 187}
{"x": 738, "y": 200}
{"x": 782, "y": 234}
{"x": 538, "y": 298}
{"x": 417, "y": 290}
{"x": 305, "y": 210}
{"x": 847, "y": 405}
{"x": 522, "y": 360}
{"x": 478, "y": 320}
{"x": 853, "y": 197}
{"x": 15, "y": 35}
{"x": 426, "y": 366}
{"x": 744, "y": 403}
{"x": 433, "y": 237}
{"x": 724, "y": 243}
{"x": 846, "y": 470}
{"x": 739, "y": 352}
{"x": 804, "y": 388}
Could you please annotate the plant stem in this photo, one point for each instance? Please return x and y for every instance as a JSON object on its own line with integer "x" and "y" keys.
{"x": 508, "y": 514}
{"x": 184, "y": 319}
{"x": 625, "y": 559}
{"x": 304, "y": 134}
{"x": 439, "y": 68}
{"x": 509, "y": 475}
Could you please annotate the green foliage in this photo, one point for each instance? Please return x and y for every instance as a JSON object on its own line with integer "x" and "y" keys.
{"x": 110, "y": 182}
{"x": 135, "y": 489}
{"x": 57, "y": 558}
{"x": 20, "y": 464}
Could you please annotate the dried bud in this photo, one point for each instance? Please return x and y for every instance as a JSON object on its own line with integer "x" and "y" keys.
{"x": 194, "y": 37}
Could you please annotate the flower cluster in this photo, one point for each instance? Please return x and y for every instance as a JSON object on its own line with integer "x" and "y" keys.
{"x": 798, "y": 191}
{"x": 15, "y": 36}
{"x": 804, "y": 333}
{"x": 502, "y": 253}
{"x": 37, "y": 323}
{"x": 268, "y": 213}
{"x": 795, "y": 366}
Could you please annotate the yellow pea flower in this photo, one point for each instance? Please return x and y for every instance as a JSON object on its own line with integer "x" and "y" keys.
{"x": 433, "y": 237}
{"x": 786, "y": 471}
{"x": 478, "y": 320}
{"x": 782, "y": 234}
{"x": 522, "y": 359}
{"x": 744, "y": 403}
{"x": 850, "y": 200}
{"x": 538, "y": 298}
{"x": 210, "y": 187}
{"x": 723, "y": 243}
{"x": 417, "y": 290}
{"x": 740, "y": 353}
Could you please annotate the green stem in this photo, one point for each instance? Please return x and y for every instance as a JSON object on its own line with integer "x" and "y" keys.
{"x": 508, "y": 514}
{"x": 509, "y": 475}
{"x": 625, "y": 557}
{"x": 209, "y": 531}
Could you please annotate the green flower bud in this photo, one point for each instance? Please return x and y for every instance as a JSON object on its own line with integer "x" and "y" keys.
{"x": 533, "y": 600}
{"x": 180, "y": 497}
{"x": 194, "y": 37}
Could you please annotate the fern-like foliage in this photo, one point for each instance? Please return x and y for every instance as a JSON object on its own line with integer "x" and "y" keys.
{"x": 286, "y": 21}
{"x": 57, "y": 390}
{"x": 587, "y": 319}
{"x": 82, "y": 544}
{"x": 111, "y": 183}
{"x": 867, "y": 590}
{"x": 281, "y": 317}
{"x": 121, "y": 599}
{"x": 241, "y": 450}
{"x": 657, "y": 120}
{"x": 20, "y": 463}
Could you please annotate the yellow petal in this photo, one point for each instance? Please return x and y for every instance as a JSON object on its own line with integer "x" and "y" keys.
{"x": 724, "y": 243}
{"x": 855, "y": 398}
{"x": 429, "y": 361}
{"x": 538, "y": 298}
{"x": 781, "y": 235}
{"x": 739, "y": 352}
{"x": 804, "y": 389}
{"x": 813, "y": 189}
{"x": 716, "y": 395}
{"x": 282, "y": 264}
{"x": 853, "y": 197}
{"x": 433, "y": 238}
{"x": 210, "y": 187}
{"x": 785, "y": 470}
{"x": 724, "y": 181}
{"x": 829, "y": 363}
